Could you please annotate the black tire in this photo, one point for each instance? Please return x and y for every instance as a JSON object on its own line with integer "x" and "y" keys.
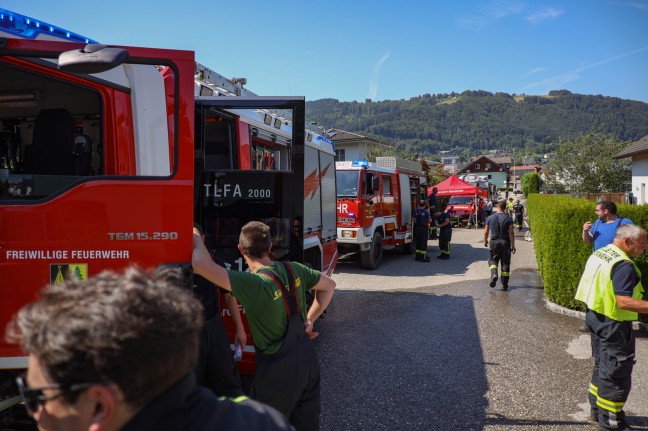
{"x": 371, "y": 258}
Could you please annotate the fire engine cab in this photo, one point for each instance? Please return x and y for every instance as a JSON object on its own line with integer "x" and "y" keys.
{"x": 108, "y": 155}
{"x": 374, "y": 206}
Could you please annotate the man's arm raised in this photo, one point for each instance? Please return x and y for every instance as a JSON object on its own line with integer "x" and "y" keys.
{"x": 204, "y": 265}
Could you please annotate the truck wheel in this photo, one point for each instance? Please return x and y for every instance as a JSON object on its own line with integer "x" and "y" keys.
{"x": 371, "y": 258}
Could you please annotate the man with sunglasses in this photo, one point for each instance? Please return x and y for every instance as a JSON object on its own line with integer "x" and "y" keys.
{"x": 116, "y": 352}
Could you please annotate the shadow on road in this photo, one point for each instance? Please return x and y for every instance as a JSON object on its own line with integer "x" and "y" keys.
{"x": 394, "y": 262}
{"x": 390, "y": 363}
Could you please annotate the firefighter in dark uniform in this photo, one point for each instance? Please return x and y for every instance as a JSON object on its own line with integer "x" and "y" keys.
{"x": 499, "y": 228}
{"x": 518, "y": 210}
{"x": 421, "y": 219}
{"x": 611, "y": 288}
{"x": 444, "y": 226}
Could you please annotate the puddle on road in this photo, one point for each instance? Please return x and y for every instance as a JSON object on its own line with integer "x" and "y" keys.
{"x": 527, "y": 277}
{"x": 581, "y": 347}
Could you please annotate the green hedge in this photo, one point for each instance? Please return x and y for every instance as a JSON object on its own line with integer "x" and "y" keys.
{"x": 557, "y": 224}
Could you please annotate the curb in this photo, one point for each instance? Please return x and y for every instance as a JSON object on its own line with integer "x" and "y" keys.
{"x": 637, "y": 326}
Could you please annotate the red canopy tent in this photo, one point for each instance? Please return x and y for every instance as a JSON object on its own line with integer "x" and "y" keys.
{"x": 453, "y": 186}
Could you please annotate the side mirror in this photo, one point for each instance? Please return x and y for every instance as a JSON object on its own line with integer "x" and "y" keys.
{"x": 94, "y": 58}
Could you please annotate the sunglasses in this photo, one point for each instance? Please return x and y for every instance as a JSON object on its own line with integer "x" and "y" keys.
{"x": 34, "y": 397}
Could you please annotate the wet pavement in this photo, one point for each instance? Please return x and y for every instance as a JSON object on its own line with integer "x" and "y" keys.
{"x": 430, "y": 346}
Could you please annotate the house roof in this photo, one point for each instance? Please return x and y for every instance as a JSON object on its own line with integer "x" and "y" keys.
{"x": 481, "y": 159}
{"x": 635, "y": 148}
{"x": 342, "y": 136}
{"x": 500, "y": 160}
{"x": 526, "y": 168}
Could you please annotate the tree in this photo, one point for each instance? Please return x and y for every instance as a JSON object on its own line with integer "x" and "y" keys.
{"x": 585, "y": 164}
{"x": 531, "y": 183}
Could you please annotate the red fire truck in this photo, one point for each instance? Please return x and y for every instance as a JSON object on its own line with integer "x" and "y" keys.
{"x": 109, "y": 154}
{"x": 374, "y": 206}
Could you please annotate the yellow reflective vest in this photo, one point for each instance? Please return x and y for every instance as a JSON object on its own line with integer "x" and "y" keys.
{"x": 595, "y": 288}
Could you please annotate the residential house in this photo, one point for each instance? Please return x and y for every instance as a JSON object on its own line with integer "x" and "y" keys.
{"x": 450, "y": 161}
{"x": 638, "y": 151}
{"x": 353, "y": 146}
{"x": 517, "y": 172}
{"x": 484, "y": 166}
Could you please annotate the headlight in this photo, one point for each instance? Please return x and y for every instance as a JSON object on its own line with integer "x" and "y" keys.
{"x": 348, "y": 234}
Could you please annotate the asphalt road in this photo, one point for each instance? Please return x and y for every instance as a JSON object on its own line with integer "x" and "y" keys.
{"x": 430, "y": 346}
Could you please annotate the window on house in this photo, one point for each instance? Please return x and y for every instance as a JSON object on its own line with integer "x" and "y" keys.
{"x": 488, "y": 166}
{"x": 340, "y": 155}
{"x": 477, "y": 166}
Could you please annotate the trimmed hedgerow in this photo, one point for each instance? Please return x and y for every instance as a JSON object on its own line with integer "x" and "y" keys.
{"x": 557, "y": 225}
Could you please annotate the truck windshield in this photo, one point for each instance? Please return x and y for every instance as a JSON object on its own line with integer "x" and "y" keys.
{"x": 347, "y": 183}
{"x": 459, "y": 200}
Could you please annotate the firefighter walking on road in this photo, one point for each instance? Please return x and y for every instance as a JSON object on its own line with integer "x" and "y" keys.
{"x": 421, "y": 219}
{"x": 611, "y": 288}
{"x": 518, "y": 211}
{"x": 499, "y": 228}
{"x": 445, "y": 232}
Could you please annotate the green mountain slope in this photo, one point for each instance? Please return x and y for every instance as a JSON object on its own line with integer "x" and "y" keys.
{"x": 477, "y": 121}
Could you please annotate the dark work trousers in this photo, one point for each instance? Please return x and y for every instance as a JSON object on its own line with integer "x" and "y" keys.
{"x": 289, "y": 380}
{"x": 518, "y": 220}
{"x": 445, "y": 235}
{"x": 420, "y": 240}
{"x": 613, "y": 349}
{"x": 215, "y": 368}
{"x": 500, "y": 251}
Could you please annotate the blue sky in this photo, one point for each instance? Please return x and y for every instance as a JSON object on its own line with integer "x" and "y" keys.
{"x": 378, "y": 49}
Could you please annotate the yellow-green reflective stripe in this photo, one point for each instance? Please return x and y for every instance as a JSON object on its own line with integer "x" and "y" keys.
{"x": 236, "y": 400}
{"x": 493, "y": 267}
{"x": 505, "y": 273}
{"x": 445, "y": 252}
{"x": 612, "y": 406}
{"x": 593, "y": 390}
{"x": 240, "y": 399}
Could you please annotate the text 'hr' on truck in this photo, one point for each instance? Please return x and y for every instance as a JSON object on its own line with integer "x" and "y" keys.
{"x": 108, "y": 155}
{"x": 374, "y": 206}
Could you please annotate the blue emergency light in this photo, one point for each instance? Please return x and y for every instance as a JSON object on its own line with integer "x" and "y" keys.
{"x": 359, "y": 163}
{"x": 25, "y": 26}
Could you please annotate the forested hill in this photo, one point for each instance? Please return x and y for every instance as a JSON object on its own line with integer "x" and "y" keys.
{"x": 478, "y": 121}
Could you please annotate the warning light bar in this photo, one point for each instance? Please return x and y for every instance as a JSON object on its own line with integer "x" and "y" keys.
{"x": 30, "y": 28}
{"x": 360, "y": 164}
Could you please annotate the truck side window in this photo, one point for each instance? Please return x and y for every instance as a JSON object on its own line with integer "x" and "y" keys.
{"x": 218, "y": 138}
{"x": 50, "y": 133}
{"x": 386, "y": 180}
{"x": 367, "y": 184}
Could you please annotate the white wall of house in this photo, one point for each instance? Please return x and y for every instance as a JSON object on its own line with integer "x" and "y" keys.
{"x": 640, "y": 179}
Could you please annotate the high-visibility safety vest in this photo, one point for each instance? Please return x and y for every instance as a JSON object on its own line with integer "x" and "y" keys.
{"x": 595, "y": 288}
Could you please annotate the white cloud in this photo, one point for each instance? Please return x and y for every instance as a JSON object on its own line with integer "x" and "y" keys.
{"x": 544, "y": 15}
{"x": 494, "y": 11}
{"x": 535, "y": 71}
{"x": 556, "y": 82}
{"x": 373, "y": 80}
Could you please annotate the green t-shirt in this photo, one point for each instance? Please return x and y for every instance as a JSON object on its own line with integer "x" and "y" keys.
{"x": 263, "y": 302}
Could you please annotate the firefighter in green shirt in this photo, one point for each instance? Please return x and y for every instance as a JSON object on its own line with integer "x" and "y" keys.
{"x": 273, "y": 295}
{"x": 611, "y": 288}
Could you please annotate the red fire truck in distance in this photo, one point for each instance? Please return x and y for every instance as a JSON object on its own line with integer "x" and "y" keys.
{"x": 375, "y": 204}
{"x": 108, "y": 155}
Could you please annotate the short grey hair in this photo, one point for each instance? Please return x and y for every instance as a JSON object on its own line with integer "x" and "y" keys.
{"x": 631, "y": 231}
